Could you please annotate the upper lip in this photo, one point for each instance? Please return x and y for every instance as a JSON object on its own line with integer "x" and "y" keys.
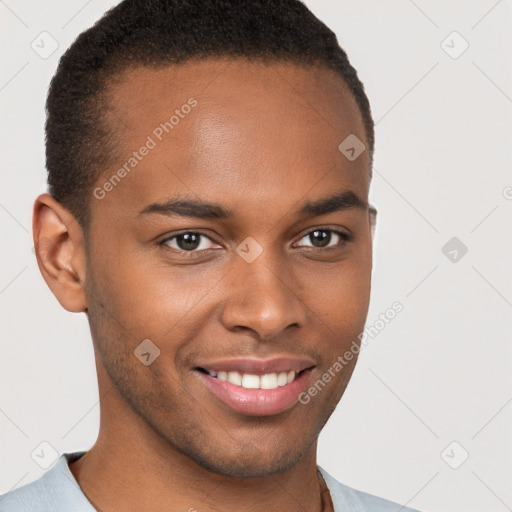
{"x": 259, "y": 366}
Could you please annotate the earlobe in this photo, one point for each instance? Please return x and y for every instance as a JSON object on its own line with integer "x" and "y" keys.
{"x": 60, "y": 252}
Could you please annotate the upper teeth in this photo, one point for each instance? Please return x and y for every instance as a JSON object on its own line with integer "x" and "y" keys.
{"x": 250, "y": 381}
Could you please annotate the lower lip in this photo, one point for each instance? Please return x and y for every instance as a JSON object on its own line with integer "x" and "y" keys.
{"x": 257, "y": 402}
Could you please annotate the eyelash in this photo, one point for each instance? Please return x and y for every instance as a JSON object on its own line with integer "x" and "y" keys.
{"x": 345, "y": 237}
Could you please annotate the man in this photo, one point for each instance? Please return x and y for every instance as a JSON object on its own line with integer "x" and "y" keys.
{"x": 209, "y": 165}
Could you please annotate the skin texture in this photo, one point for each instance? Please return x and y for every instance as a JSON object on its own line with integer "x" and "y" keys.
{"x": 262, "y": 140}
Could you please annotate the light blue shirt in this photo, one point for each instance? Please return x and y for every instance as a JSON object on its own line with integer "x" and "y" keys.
{"x": 58, "y": 491}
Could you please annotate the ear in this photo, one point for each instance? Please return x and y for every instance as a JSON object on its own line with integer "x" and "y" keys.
{"x": 60, "y": 252}
{"x": 372, "y": 215}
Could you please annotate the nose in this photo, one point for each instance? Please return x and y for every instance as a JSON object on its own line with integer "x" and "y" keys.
{"x": 263, "y": 297}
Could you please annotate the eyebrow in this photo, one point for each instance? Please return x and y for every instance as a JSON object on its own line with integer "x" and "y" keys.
{"x": 340, "y": 201}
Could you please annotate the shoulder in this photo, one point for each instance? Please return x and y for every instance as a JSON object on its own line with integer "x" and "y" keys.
{"x": 54, "y": 491}
{"x": 347, "y": 499}
{"x": 36, "y": 496}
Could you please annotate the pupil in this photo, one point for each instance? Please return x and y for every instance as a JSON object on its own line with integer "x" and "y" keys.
{"x": 188, "y": 241}
{"x": 324, "y": 238}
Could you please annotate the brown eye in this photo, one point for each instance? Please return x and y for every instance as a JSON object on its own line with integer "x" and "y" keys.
{"x": 189, "y": 241}
{"x": 322, "y": 238}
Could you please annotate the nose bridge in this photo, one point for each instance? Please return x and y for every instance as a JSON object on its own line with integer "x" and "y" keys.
{"x": 261, "y": 293}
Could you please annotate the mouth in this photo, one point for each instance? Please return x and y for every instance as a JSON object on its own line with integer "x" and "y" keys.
{"x": 253, "y": 380}
{"x": 256, "y": 388}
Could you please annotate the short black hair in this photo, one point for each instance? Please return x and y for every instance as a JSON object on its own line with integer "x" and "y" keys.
{"x": 157, "y": 33}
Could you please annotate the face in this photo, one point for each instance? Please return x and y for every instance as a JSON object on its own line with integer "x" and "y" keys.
{"x": 267, "y": 279}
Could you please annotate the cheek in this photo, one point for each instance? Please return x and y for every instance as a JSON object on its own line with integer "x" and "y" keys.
{"x": 340, "y": 295}
{"x": 352, "y": 299}
{"x": 146, "y": 294}
{"x": 149, "y": 300}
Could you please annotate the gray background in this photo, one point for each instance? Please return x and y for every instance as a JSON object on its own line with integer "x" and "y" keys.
{"x": 439, "y": 372}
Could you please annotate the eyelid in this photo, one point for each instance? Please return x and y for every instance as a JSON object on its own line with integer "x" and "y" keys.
{"x": 345, "y": 236}
{"x": 336, "y": 229}
{"x": 166, "y": 238}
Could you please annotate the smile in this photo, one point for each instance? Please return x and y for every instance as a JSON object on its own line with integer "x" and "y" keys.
{"x": 253, "y": 381}
{"x": 256, "y": 387}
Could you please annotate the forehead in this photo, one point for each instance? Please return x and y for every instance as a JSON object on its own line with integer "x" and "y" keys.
{"x": 229, "y": 129}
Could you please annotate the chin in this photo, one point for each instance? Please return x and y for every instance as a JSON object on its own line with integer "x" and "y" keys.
{"x": 246, "y": 461}
{"x": 248, "y": 469}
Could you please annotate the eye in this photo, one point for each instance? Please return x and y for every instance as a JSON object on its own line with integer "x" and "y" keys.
{"x": 189, "y": 241}
{"x": 322, "y": 237}
{"x": 192, "y": 243}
